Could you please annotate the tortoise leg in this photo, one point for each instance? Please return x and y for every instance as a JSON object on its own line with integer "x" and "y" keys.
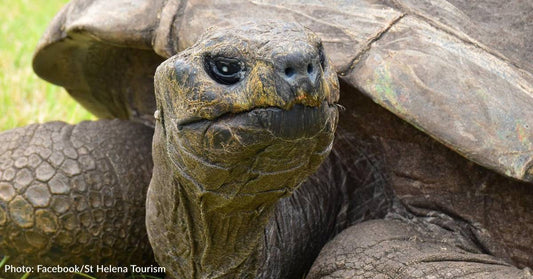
{"x": 407, "y": 248}
{"x": 75, "y": 194}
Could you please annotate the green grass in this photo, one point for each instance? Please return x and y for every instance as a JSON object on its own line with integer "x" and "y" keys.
{"x": 24, "y": 97}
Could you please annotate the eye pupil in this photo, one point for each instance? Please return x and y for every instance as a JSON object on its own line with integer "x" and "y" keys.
{"x": 224, "y": 70}
{"x": 227, "y": 67}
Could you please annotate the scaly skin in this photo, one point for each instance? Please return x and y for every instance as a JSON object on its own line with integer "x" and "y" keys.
{"x": 406, "y": 248}
{"x": 74, "y": 194}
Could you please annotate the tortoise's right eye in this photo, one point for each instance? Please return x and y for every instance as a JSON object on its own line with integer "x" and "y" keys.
{"x": 224, "y": 70}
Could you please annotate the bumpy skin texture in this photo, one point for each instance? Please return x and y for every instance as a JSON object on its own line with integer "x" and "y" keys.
{"x": 75, "y": 194}
{"x": 405, "y": 249}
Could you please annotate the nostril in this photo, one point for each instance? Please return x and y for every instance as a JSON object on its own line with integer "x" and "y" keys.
{"x": 310, "y": 68}
{"x": 289, "y": 72}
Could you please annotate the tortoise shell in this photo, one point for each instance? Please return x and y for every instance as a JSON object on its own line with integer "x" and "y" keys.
{"x": 461, "y": 71}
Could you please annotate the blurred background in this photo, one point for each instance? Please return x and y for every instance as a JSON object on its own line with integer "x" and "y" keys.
{"x": 24, "y": 97}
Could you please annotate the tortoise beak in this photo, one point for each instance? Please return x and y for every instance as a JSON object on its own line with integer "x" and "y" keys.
{"x": 300, "y": 121}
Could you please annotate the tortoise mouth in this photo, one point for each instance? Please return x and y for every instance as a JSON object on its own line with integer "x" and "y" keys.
{"x": 262, "y": 150}
{"x": 299, "y": 122}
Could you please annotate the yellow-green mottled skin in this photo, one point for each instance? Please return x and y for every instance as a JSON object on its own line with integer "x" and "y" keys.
{"x": 228, "y": 153}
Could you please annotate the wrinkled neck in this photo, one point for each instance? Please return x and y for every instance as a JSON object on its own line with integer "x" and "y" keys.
{"x": 225, "y": 233}
{"x": 200, "y": 230}
{"x": 215, "y": 186}
{"x": 226, "y": 210}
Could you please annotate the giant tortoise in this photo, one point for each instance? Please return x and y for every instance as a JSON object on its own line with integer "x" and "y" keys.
{"x": 420, "y": 168}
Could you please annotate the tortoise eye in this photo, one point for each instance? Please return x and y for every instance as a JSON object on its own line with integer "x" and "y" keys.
{"x": 224, "y": 70}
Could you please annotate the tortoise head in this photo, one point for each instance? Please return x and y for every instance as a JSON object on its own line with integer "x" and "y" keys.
{"x": 244, "y": 116}
{"x": 253, "y": 106}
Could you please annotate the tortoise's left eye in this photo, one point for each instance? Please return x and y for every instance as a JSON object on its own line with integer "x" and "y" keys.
{"x": 224, "y": 70}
